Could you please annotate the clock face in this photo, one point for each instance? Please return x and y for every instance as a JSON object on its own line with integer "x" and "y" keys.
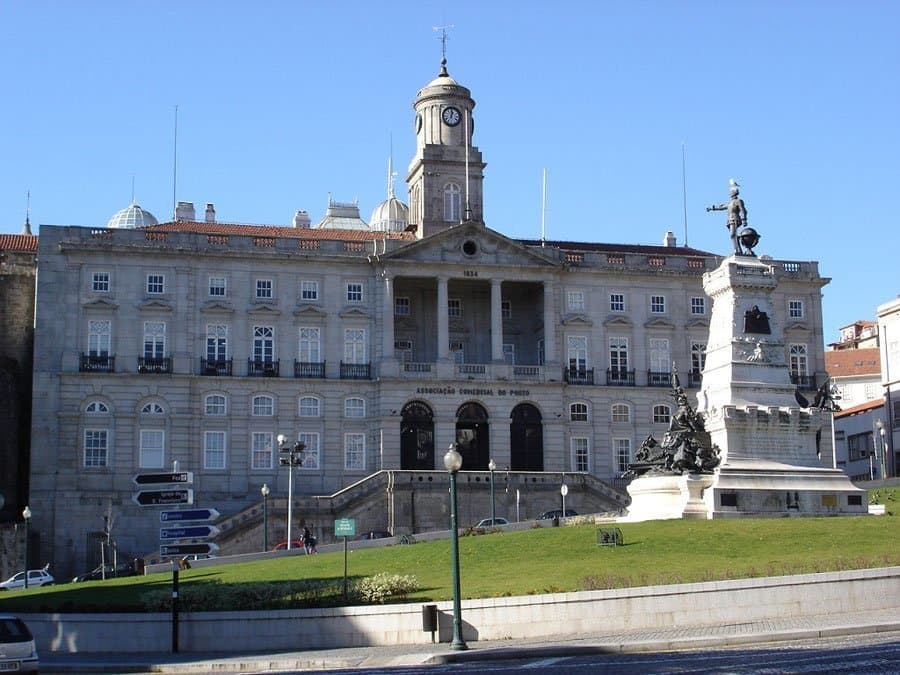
{"x": 451, "y": 116}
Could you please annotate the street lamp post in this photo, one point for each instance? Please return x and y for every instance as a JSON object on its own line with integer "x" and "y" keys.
{"x": 291, "y": 456}
{"x": 491, "y": 467}
{"x": 880, "y": 426}
{"x": 26, "y": 514}
{"x": 453, "y": 463}
{"x": 264, "y": 490}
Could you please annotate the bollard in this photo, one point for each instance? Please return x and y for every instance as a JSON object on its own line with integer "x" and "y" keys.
{"x": 430, "y": 619}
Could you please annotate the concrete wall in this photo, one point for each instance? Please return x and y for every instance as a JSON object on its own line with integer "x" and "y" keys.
{"x": 654, "y": 607}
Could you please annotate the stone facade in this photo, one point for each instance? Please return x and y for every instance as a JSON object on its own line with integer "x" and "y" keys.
{"x": 199, "y": 343}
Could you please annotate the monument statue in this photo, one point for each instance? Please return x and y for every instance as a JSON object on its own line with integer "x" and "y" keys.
{"x": 685, "y": 448}
{"x": 737, "y": 221}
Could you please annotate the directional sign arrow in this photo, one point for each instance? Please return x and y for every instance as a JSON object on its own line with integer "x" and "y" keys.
{"x": 187, "y": 514}
{"x": 187, "y": 549}
{"x": 164, "y": 497}
{"x": 188, "y": 532}
{"x": 163, "y": 478}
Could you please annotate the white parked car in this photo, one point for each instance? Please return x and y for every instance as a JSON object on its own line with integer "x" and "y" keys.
{"x": 35, "y": 578}
{"x": 492, "y": 522}
{"x": 17, "y": 650}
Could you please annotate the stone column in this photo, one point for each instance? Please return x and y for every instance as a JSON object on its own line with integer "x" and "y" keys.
{"x": 387, "y": 331}
{"x": 550, "y": 355}
{"x": 496, "y": 322}
{"x": 443, "y": 322}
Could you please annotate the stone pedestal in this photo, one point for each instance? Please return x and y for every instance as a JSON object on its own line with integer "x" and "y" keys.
{"x": 768, "y": 443}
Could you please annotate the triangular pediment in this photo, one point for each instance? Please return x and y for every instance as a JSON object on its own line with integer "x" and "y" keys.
{"x": 697, "y": 323}
{"x": 101, "y": 303}
{"x": 353, "y": 312}
{"x": 155, "y": 305}
{"x": 310, "y": 311}
{"x": 470, "y": 244}
{"x": 216, "y": 307}
{"x": 659, "y": 322}
{"x": 617, "y": 320}
{"x": 576, "y": 320}
{"x": 263, "y": 310}
{"x": 797, "y": 326}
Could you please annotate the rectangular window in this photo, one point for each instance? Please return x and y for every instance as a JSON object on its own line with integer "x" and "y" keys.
{"x": 795, "y": 309}
{"x": 154, "y": 339}
{"x": 618, "y": 354}
{"x": 509, "y": 354}
{"x": 580, "y": 454}
{"x": 214, "y": 450}
{"x": 152, "y": 449}
{"x": 215, "y": 404}
{"x": 505, "y": 309}
{"x": 311, "y": 452}
{"x": 96, "y": 447}
{"x": 156, "y": 284}
{"x": 698, "y": 305}
{"x": 698, "y": 357}
{"x": 454, "y": 307}
{"x": 309, "y": 346}
{"x": 658, "y": 304}
{"x": 870, "y": 391}
{"x": 578, "y": 412}
{"x": 798, "y": 360}
{"x": 401, "y": 307}
{"x": 263, "y": 344}
{"x": 577, "y": 352}
{"x": 457, "y": 351}
{"x": 354, "y": 452}
{"x": 216, "y": 342}
{"x": 309, "y": 406}
{"x": 403, "y": 349}
{"x": 265, "y": 289}
{"x": 616, "y": 302}
{"x": 575, "y": 301}
{"x": 217, "y": 287}
{"x": 355, "y": 345}
{"x": 860, "y": 446}
{"x": 100, "y": 282}
{"x": 99, "y": 337}
{"x": 354, "y": 408}
{"x": 622, "y": 449}
{"x": 261, "y": 450}
{"x": 309, "y": 291}
{"x": 354, "y": 292}
{"x": 660, "y": 355}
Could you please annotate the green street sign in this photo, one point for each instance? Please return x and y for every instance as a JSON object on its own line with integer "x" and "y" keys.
{"x": 345, "y": 527}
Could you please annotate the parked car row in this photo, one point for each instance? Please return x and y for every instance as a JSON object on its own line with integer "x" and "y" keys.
{"x": 36, "y": 578}
{"x": 108, "y": 571}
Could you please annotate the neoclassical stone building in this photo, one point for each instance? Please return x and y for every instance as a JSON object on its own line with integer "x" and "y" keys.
{"x": 375, "y": 344}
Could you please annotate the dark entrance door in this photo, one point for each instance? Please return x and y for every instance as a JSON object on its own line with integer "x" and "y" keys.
{"x": 472, "y": 436}
{"x": 417, "y": 437}
{"x": 526, "y": 437}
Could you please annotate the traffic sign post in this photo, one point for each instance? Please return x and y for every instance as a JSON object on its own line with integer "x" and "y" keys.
{"x": 187, "y": 515}
{"x": 205, "y": 548}
{"x": 345, "y": 527}
{"x": 175, "y": 477}
{"x": 164, "y": 497}
{"x": 189, "y": 532}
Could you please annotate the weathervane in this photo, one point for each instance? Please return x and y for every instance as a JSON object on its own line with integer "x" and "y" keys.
{"x": 443, "y": 40}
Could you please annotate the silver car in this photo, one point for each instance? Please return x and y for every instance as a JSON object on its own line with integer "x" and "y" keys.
{"x": 17, "y": 650}
{"x": 35, "y": 578}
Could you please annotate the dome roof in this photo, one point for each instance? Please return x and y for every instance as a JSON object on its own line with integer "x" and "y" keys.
{"x": 443, "y": 85}
{"x": 131, "y": 217}
{"x": 391, "y": 215}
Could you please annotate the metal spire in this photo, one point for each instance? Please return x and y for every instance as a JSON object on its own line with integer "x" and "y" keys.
{"x": 443, "y": 39}
{"x": 26, "y": 230}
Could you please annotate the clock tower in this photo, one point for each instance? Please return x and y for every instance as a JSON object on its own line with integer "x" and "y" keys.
{"x": 446, "y": 174}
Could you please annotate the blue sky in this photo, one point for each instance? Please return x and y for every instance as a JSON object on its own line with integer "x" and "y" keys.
{"x": 282, "y": 103}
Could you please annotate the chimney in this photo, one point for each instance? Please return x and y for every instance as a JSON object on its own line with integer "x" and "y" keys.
{"x": 210, "y": 213}
{"x": 301, "y": 220}
{"x": 669, "y": 240}
{"x": 185, "y": 211}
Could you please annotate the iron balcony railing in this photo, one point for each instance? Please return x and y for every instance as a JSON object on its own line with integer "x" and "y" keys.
{"x": 154, "y": 365}
{"x": 215, "y": 367}
{"x": 658, "y": 378}
{"x": 619, "y": 377}
{"x": 97, "y": 363}
{"x": 309, "y": 369}
{"x": 356, "y": 371}
{"x": 805, "y": 382}
{"x": 579, "y": 375}
{"x": 257, "y": 368}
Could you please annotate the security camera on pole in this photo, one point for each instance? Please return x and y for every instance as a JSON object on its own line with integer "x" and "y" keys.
{"x": 290, "y": 456}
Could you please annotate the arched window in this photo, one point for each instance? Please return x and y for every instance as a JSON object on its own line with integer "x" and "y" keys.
{"x": 153, "y": 409}
{"x": 621, "y": 412}
{"x": 96, "y": 407}
{"x": 354, "y": 407}
{"x": 578, "y": 412}
{"x": 310, "y": 406}
{"x": 263, "y": 406}
{"x": 215, "y": 404}
{"x": 662, "y": 414}
{"x": 451, "y": 202}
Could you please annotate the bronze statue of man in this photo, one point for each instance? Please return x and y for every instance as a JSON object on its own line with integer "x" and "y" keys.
{"x": 737, "y": 216}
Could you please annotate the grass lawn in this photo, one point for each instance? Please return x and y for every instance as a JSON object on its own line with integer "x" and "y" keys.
{"x": 540, "y": 560}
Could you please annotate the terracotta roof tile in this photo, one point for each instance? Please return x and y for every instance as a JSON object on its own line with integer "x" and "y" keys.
{"x": 18, "y": 242}
{"x": 849, "y": 362}
{"x": 862, "y": 407}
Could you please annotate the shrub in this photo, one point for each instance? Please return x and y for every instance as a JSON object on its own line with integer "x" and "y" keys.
{"x": 383, "y": 586}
